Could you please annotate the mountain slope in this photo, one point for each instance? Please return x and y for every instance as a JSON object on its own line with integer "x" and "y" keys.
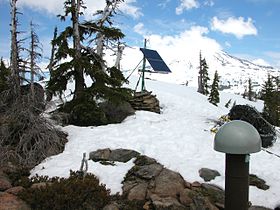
{"x": 234, "y": 72}
{"x": 179, "y": 138}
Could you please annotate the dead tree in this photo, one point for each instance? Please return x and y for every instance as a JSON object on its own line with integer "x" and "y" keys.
{"x": 14, "y": 57}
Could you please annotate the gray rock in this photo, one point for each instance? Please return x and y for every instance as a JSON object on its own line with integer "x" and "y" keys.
{"x": 168, "y": 184}
{"x": 149, "y": 171}
{"x": 122, "y": 155}
{"x": 5, "y": 182}
{"x": 166, "y": 203}
{"x": 144, "y": 160}
{"x": 254, "y": 180}
{"x": 116, "y": 112}
{"x": 111, "y": 206}
{"x": 208, "y": 174}
{"x": 119, "y": 155}
{"x": 258, "y": 208}
{"x": 100, "y": 155}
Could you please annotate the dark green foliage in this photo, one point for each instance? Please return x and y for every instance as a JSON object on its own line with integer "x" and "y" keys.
{"x": 252, "y": 116}
{"x": 84, "y": 112}
{"x": 203, "y": 78}
{"x": 4, "y": 74}
{"x": 271, "y": 97}
{"x": 214, "y": 94}
{"x": 84, "y": 61}
{"x": 228, "y": 103}
{"x": 250, "y": 90}
{"x": 76, "y": 192}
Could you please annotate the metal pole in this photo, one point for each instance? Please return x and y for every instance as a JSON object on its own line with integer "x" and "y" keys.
{"x": 143, "y": 68}
{"x": 237, "y": 182}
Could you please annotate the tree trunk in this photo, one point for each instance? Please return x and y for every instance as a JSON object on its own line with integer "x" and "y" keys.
{"x": 32, "y": 63}
{"x": 119, "y": 56}
{"x": 14, "y": 49}
{"x": 79, "y": 73}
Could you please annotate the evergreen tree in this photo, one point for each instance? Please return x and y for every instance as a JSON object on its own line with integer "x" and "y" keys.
{"x": 203, "y": 77}
{"x": 4, "y": 75}
{"x": 214, "y": 93}
{"x": 84, "y": 60}
{"x": 271, "y": 97}
{"x": 250, "y": 90}
{"x": 228, "y": 103}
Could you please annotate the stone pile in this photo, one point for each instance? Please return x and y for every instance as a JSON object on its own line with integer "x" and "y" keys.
{"x": 145, "y": 101}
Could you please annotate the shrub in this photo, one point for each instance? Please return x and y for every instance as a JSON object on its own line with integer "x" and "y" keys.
{"x": 76, "y": 192}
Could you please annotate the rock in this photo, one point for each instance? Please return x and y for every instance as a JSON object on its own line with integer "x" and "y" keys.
{"x": 100, "y": 155}
{"x": 112, "y": 206}
{"x": 185, "y": 197}
{"x": 116, "y": 112}
{"x": 138, "y": 192}
{"x": 208, "y": 174}
{"x": 122, "y": 155}
{"x": 5, "y": 182}
{"x": 39, "y": 185}
{"x": 15, "y": 190}
{"x": 168, "y": 183}
{"x": 257, "y": 182}
{"x": 119, "y": 155}
{"x": 144, "y": 100}
{"x": 213, "y": 192}
{"x": 12, "y": 202}
{"x": 144, "y": 160}
{"x": 149, "y": 171}
{"x": 166, "y": 203}
{"x": 258, "y": 208}
{"x": 196, "y": 184}
{"x": 202, "y": 203}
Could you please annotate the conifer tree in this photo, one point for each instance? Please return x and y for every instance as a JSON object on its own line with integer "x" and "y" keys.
{"x": 84, "y": 60}
{"x": 203, "y": 77}
{"x": 214, "y": 93}
{"x": 4, "y": 75}
{"x": 271, "y": 99}
{"x": 250, "y": 90}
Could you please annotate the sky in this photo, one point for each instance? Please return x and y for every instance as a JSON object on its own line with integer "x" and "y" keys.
{"x": 247, "y": 29}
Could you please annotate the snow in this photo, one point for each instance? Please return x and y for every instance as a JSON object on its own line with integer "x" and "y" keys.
{"x": 179, "y": 138}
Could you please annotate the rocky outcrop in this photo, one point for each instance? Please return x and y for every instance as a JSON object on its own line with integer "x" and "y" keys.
{"x": 145, "y": 101}
{"x": 8, "y": 195}
{"x": 165, "y": 189}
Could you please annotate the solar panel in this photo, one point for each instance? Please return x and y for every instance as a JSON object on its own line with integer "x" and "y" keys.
{"x": 155, "y": 61}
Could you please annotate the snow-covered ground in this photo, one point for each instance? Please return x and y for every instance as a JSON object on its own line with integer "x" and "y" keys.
{"x": 179, "y": 138}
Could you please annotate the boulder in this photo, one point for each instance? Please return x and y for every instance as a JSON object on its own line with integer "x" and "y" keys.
{"x": 166, "y": 203}
{"x": 119, "y": 155}
{"x": 168, "y": 183}
{"x": 5, "y": 183}
{"x": 15, "y": 190}
{"x": 12, "y": 202}
{"x": 111, "y": 206}
{"x": 208, "y": 174}
{"x": 257, "y": 182}
{"x": 116, "y": 112}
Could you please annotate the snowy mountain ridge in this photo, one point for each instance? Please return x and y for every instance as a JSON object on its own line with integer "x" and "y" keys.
{"x": 234, "y": 72}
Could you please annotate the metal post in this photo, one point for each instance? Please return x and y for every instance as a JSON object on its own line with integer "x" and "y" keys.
{"x": 143, "y": 68}
{"x": 237, "y": 182}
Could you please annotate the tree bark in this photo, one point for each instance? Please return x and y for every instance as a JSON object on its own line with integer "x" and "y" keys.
{"x": 14, "y": 49}
{"x": 79, "y": 73}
